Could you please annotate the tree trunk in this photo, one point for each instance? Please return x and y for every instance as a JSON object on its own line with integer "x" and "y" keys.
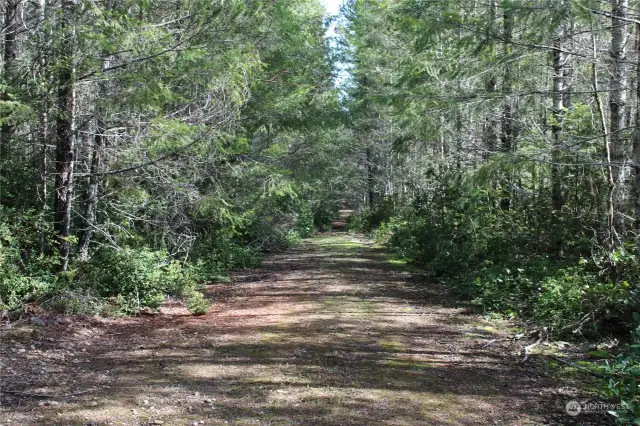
{"x": 508, "y": 133}
{"x": 44, "y": 140}
{"x": 556, "y": 127}
{"x": 93, "y": 187}
{"x": 9, "y": 30}
{"x": 371, "y": 181}
{"x": 65, "y": 135}
{"x": 92, "y": 194}
{"x": 507, "y": 87}
{"x": 617, "y": 103}
{"x": 44, "y": 136}
{"x": 492, "y": 136}
{"x": 636, "y": 145}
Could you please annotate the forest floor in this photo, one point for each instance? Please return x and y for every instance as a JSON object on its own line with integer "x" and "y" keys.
{"x": 333, "y": 332}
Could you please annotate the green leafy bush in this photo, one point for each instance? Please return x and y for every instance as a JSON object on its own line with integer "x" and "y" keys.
{"x": 355, "y": 222}
{"x": 196, "y": 302}
{"x": 305, "y": 221}
{"x": 217, "y": 252}
{"x": 24, "y": 274}
{"x": 77, "y": 301}
{"x": 578, "y": 300}
{"x": 292, "y": 238}
{"x": 323, "y": 214}
{"x": 272, "y": 218}
{"x": 500, "y": 259}
{"x": 16, "y": 289}
{"x": 369, "y": 219}
{"x": 499, "y": 288}
{"x": 624, "y": 382}
{"x": 137, "y": 278}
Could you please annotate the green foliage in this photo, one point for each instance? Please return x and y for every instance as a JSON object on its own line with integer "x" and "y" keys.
{"x": 357, "y": 222}
{"x": 579, "y": 300}
{"x": 278, "y": 220}
{"x": 305, "y": 221}
{"x": 370, "y": 218}
{"x": 24, "y": 273}
{"x": 383, "y": 233}
{"x": 77, "y": 301}
{"x": 624, "y": 384}
{"x": 565, "y": 299}
{"x": 217, "y": 253}
{"x": 16, "y": 289}
{"x": 324, "y": 212}
{"x": 137, "y": 278}
{"x": 229, "y": 150}
{"x": 493, "y": 257}
{"x": 196, "y": 302}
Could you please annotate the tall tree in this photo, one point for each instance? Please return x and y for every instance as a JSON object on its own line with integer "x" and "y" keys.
{"x": 96, "y": 153}
{"x": 558, "y": 90}
{"x": 9, "y": 32}
{"x": 65, "y": 131}
{"x": 617, "y": 104}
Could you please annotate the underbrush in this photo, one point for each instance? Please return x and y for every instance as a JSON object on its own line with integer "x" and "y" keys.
{"x": 544, "y": 269}
{"x": 133, "y": 279}
{"x": 25, "y": 273}
{"x": 504, "y": 264}
{"x": 126, "y": 280}
{"x": 624, "y": 382}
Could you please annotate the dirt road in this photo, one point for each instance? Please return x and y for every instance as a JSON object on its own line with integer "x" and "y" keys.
{"x": 333, "y": 332}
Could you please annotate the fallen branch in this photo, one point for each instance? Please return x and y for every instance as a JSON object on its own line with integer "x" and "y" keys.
{"x": 579, "y": 367}
{"x": 527, "y": 349}
{"x": 489, "y": 343}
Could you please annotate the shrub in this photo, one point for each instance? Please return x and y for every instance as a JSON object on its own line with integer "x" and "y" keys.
{"x": 24, "y": 274}
{"x": 216, "y": 253}
{"x": 196, "y": 303}
{"x": 356, "y": 222}
{"x": 136, "y": 278}
{"x": 501, "y": 260}
{"x": 305, "y": 221}
{"x": 382, "y": 234}
{"x": 578, "y": 300}
{"x": 499, "y": 288}
{"x": 16, "y": 289}
{"x": 624, "y": 382}
{"x": 323, "y": 214}
{"x": 272, "y": 218}
{"x": 369, "y": 219}
{"x": 78, "y": 301}
{"x": 292, "y": 238}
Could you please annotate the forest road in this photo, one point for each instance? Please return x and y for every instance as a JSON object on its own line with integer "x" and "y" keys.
{"x": 333, "y": 332}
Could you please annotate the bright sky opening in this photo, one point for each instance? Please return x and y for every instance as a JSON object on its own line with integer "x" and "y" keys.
{"x": 333, "y": 6}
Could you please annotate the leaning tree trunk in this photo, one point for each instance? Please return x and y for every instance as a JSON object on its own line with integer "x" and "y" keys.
{"x": 65, "y": 134}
